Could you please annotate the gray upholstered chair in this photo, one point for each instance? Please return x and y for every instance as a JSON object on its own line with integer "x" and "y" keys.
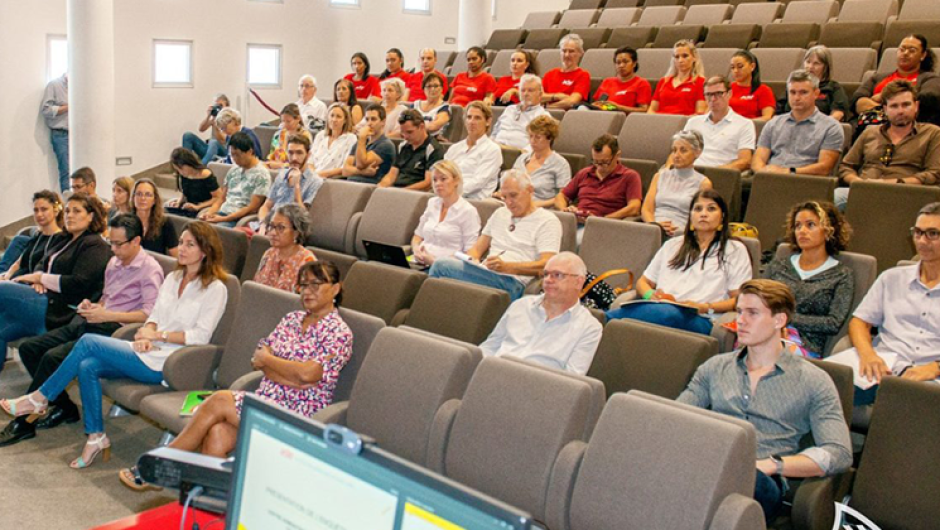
{"x": 335, "y": 214}
{"x": 611, "y": 244}
{"x": 772, "y": 196}
{"x": 649, "y": 136}
{"x": 579, "y": 129}
{"x": 257, "y": 246}
{"x": 455, "y": 309}
{"x": 380, "y": 289}
{"x": 390, "y": 217}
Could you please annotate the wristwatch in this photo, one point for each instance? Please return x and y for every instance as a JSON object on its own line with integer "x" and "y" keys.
{"x": 793, "y": 170}
{"x": 778, "y": 461}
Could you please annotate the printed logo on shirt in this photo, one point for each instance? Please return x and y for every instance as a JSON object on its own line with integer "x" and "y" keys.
{"x": 471, "y": 89}
{"x": 622, "y": 93}
{"x": 686, "y": 90}
{"x": 568, "y": 82}
{"x": 749, "y": 97}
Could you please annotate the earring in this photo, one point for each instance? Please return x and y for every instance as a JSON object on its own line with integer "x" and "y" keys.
{"x": 691, "y": 228}
{"x": 721, "y": 227}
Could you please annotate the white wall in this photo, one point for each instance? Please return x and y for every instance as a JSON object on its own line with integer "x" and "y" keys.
{"x": 149, "y": 121}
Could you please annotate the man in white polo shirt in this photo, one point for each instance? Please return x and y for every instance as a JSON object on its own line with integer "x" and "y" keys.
{"x": 552, "y": 329}
{"x": 729, "y": 137}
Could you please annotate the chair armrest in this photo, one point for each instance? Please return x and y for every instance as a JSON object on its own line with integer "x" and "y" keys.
{"x": 439, "y": 436}
{"x": 399, "y": 318}
{"x": 843, "y": 344}
{"x": 351, "y": 228}
{"x": 561, "y": 484}
{"x": 814, "y": 501}
{"x": 737, "y": 512}
{"x": 725, "y": 337}
{"x": 127, "y": 331}
{"x": 245, "y": 220}
{"x": 248, "y": 382}
{"x": 335, "y": 413}
{"x": 192, "y": 367}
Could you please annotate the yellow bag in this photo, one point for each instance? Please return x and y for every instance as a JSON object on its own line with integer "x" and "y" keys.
{"x": 743, "y": 230}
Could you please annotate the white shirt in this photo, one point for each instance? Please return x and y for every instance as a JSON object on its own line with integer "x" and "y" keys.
{"x": 510, "y": 128}
{"x": 711, "y": 284}
{"x": 324, "y": 157}
{"x": 196, "y": 314}
{"x": 479, "y": 166}
{"x": 567, "y": 342}
{"x": 533, "y": 235}
{"x": 724, "y": 139}
{"x": 313, "y": 113}
{"x": 457, "y": 232}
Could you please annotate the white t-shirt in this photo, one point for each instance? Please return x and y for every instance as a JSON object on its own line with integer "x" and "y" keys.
{"x": 457, "y": 232}
{"x": 724, "y": 139}
{"x": 711, "y": 284}
{"x": 523, "y": 239}
{"x": 479, "y": 166}
{"x": 313, "y": 113}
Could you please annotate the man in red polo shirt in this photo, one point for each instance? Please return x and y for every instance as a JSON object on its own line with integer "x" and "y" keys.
{"x": 566, "y": 87}
{"x": 428, "y": 61}
{"x": 605, "y": 188}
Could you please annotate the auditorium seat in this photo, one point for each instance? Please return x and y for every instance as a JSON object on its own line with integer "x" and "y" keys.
{"x": 772, "y": 196}
{"x": 889, "y": 57}
{"x": 128, "y": 393}
{"x": 732, "y": 36}
{"x": 540, "y": 39}
{"x": 578, "y": 18}
{"x": 235, "y": 243}
{"x": 579, "y": 129}
{"x": 646, "y": 168}
{"x": 616, "y": 4}
{"x": 649, "y": 136}
{"x": 885, "y": 235}
{"x": 653, "y": 65}
{"x": 865, "y": 269}
{"x": 390, "y": 217}
{"x": 343, "y": 261}
{"x": 752, "y": 245}
{"x": 403, "y": 382}
{"x": 896, "y": 30}
{"x": 661, "y": 16}
{"x": 486, "y": 208}
{"x": 636, "y": 355}
{"x": 789, "y": 35}
{"x": 335, "y": 214}
{"x": 619, "y": 17}
{"x": 814, "y": 11}
{"x": 455, "y": 309}
{"x": 668, "y": 36}
{"x": 264, "y": 133}
{"x": 380, "y": 289}
{"x": 919, "y": 10}
{"x": 510, "y": 154}
{"x": 610, "y": 244}
{"x": 592, "y": 37}
{"x": 506, "y": 39}
{"x": 868, "y": 11}
{"x": 662, "y": 3}
{"x": 852, "y": 35}
{"x": 599, "y": 63}
{"x": 850, "y": 64}
{"x": 500, "y": 66}
{"x": 896, "y": 483}
{"x": 655, "y": 463}
{"x": 634, "y": 37}
{"x": 586, "y": 4}
{"x": 257, "y": 246}
{"x": 708, "y": 15}
{"x": 456, "y": 129}
{"x": 717, "y": 61}
{"x": 548, "y": 59}
{"x": 569, "y": 230}
{"x": 531, "y": 413}
{"x": 758, "y": 13}
{"x": 727, "y": 182}
{"x": 167, "y": 264}
{"x": 541, "y": 20}
{"x": 777, "y": 63}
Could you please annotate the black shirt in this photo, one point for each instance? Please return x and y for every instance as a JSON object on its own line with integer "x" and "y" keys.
{"x": 37, "y": 248}
{"x": 80, "y": 265}
{"x": 832, "y": 97}
{"x": 198, "y": 191}
{"x": 413, "y": 163}
{"x": 162, "y": 241}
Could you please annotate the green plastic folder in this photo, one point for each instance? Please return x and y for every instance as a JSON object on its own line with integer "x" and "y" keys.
{"x": 193, "y": 400}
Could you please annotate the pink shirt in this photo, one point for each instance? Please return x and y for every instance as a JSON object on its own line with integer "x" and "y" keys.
{"x": 132, "y": 287}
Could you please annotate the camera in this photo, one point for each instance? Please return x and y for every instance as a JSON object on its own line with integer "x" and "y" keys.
{"x": 343, "y": 439}
{"x": 215, "y": 110}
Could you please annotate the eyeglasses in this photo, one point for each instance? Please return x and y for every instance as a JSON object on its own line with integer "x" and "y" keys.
{"x": 313, "y": 286}
{"x": 307, "y": 86}
{"x": 931, "y": 234}
{"x": 143, "y": 195}
{"x": 117, "y": 244}
{"x": 557, "y": 275}
{"x": 713, "y": 95}
{"x": 888, "y": 156}
{"x": 278, "y": 228}
{"x": 603, "y": 162}
{"x": 433, "y": 86}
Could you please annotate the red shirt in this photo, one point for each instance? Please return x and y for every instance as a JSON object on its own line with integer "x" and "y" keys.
{"x": 633, "y": 92}
{"x": 505, "y": 83}
{"x": 366, "y": 88}
{"x": 401, "y": 74}
{"x": 415, "y": 88}
{"x": 894, "y": 77}
{"x": 750, "y": 105}
{"x": 467, "y": 89}
{"x": 603, "y": 197}
{"x": 577, "y": 80}
{"x": 680, "y": 99}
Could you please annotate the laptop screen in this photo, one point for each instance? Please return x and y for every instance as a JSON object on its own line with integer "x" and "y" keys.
{"x": 286, "y": 476}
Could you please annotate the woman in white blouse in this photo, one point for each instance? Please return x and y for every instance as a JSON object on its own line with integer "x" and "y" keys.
{"x": 449, "y": 224}
{"x": 332, "y": 146}
{"x": 700, "y": 273}
{"x": 549, "y": 171}
{"x": 188, "y": 308}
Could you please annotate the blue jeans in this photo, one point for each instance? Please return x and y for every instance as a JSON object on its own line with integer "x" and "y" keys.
{"x": 205, "y": 151}
{"x": 13, "y": 252}
{"x": 461, "y": 270}
{"x": 94, "y": 357}
{"x": 841, "y": 198}
{"x": 22, "y": 314}
{"x": 60, "y": 146}
{"x": 664, "y": 315}
{"x": 768, "y": 492}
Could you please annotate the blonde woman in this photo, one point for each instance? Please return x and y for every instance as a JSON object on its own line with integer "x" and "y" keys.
{"x": 682, "y": 90}
{"x": 331, "y": 146}
{"x": 450, "y": 223}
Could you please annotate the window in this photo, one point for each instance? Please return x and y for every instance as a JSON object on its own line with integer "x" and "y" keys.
{"x": 493, "y": 9}
{"x": 57, "y": 56}
{"x": 418, "y": 7}
{"x": 344, "y": 3}
{"x": 264, "y": 66}
{"x": 172, "y": 63}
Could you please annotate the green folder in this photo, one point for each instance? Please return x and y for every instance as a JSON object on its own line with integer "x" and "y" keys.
{"x": 193, "y": 400}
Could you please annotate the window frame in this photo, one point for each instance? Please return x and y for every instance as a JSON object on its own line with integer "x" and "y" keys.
{"x": 350, "y": 4}
{"x": 50, "y": 38}
{"x": 153, "y": 66}
{"x": 280, "y": 65}
{"x": 407, "y": 11}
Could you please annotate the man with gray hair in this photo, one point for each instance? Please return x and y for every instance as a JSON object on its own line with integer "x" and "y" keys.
{"x": 519, "y": 237}
{"x": 552, "y": 329}
{"x": 729, "y": 137}
{"x": 427, "y": 61}
{"x": 229, "y": 122}
{"x": 566, "y": 87}
{"x": 511, "y": 128}
{"x": 803, "y": 141}
{"x": 312, "y": 110}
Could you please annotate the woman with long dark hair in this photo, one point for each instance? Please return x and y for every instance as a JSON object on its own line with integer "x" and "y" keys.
{"x": 159, "y": 234}
{"x": 749, "y": 97}
{"x": 199, "y": 186}
{"x": 366, "y": 86}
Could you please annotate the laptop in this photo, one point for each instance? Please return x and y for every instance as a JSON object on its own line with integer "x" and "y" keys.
{"x": 391, "y": 254}
{"x": 292, "y": 472}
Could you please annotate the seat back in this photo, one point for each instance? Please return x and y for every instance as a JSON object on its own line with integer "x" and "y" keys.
{"x": 457, "y": 129}
{"x": 364, "y": 329}
{"x": 485, "y": 207}
{"x": 727, "y": 182}
{"x": 905, "y": 427}
{"x": 599, "y": 62}
{"x": 868, "y": 11}
{"x": 618, "y": 17}
{"x": 919, "y": 10}
{"x": 541, "y": 39}
{"x": 789, "y": 35}
{"x": 335, "y": 214}
{"x": 578, "y": 18}
{"x": 850, "y": 64}
{"x": 777, "y": 63}
{"x": 731, "y": 36}
{"x": 634, "y": 37}
{"x": 636, "y": 355}
{"x": 617, "y": 4}
{"x": 668, "y": 36}
{"x": 380, "y": 289}
{"x": 535, "y": 411}
{"x": 662, "y": 3}
{"x": 897, "y": 30}
{"x": 548, "y": 59}
{"x": 772, "y": 196}
{"x": 843, "y": 379}
{"x": 757, "y": 13}
{"x": 264, "y": 133}
{"x": 235, "y": 245}
{"x": 817, "y": 11}
{"x": 260, "y": 311}
{"x": 500, "y": 66}
{"x": 540, "y": 20}
{"x": 167, "y": 263}
{"x": 646, "y": 168}
{"x": 390, "y": 217}
{"x": 646, "y": 453}
{"x": 257, "y": 246}
{"x": 455, "y": 309}
{"x": 586, "y": 4}
{"x": 661, "y": 15}
{"x": 708, "y": 14}
{"x": 505, "y": 39}
{"x": 889, "y": 57}
{"x": 342, "y": 261}
{"x": 716, "y": 61}
{"x": 569, "y": 230}
{"x": 615, "y": 244}
{"x": 592, "y": 37}
{"x": 579, "y": 129}
{"x": 649, "y": 136}
{"x": 884, "y": 236}
{"x": 752, "y": 245}
{"x": 852, "y": 35}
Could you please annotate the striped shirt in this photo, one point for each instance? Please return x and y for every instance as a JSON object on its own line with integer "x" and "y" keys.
{"x": 793, "y": 400}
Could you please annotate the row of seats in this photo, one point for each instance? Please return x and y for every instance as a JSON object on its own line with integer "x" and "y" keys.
{"x": 613, "y": 4}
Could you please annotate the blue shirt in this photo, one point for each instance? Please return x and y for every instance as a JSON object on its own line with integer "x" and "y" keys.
{"x": 798, "y": 143}
{"x": 254, "y": 138}
{"x": 283, "y": 193}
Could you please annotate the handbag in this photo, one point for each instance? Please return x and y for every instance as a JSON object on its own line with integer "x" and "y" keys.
{"x": 598, "y": 294}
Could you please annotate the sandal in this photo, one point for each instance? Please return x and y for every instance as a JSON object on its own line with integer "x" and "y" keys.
{"x": 131, "y": 478}
{"x": 102, "y": 447}
{"x": 11, "y": 406}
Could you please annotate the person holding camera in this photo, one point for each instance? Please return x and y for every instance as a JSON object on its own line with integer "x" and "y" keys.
{"x": 207, "y": 150}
